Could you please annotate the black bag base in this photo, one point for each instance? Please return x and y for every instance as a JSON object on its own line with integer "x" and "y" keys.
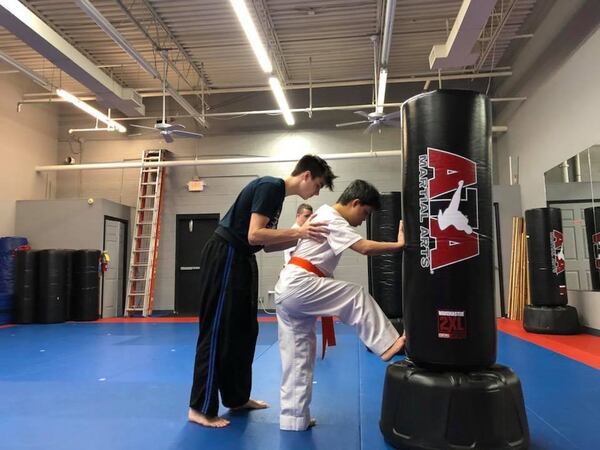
{"x": 551, "y": 319}
{"x": 423, "y": 409}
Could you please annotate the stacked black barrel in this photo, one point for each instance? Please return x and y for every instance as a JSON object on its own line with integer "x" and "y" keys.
{"x": 384, "y": 283}
{"x": 449, "y": 393}
{"x": 54, "y": 286}
{"x": 548, "y": 312}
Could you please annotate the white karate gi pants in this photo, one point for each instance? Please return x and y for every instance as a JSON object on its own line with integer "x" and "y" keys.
{"x": 301, "y": 297}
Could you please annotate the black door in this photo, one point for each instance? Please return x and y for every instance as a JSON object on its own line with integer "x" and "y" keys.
{"x": 193, "y": 230}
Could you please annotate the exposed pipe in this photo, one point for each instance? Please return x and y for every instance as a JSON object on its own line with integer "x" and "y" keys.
{"x": 327, "y": 84}
{"x": 211, "y": 162}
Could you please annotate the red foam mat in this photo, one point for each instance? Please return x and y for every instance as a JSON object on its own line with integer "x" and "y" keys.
{"x": 584, "y": 348}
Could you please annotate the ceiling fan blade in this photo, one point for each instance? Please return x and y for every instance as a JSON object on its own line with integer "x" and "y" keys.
{"x": 167, "y": 137}
{"x": 371, "y": 128}
{"x": 175, "y": 126}
{"x": 142, "y": 126}
{"x": 393, "y": 115}
{"x": 393, "y": 123}
{"x": 186, "y": 134}
{"x": 347, "y": 124}
{"x": 362, "y": 113}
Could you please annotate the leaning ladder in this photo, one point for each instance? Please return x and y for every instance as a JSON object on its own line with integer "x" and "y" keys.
{"x": 144, "y": 247}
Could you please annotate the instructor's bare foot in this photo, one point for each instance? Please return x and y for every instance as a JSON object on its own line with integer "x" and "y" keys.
{"x": 206, "y": 421}
{"x": 251, "y": 404}
{"x": 395, "y": 348}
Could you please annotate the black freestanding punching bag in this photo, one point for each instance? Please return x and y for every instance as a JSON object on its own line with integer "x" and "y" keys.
{"x": 592, "y": 228}
{"x": 385, "y": 271}
{"x": 448, "y": 287}
{"x": 86, "y": 285}
{"x": 25, "y": 285}
{"x": 548, "y": 312}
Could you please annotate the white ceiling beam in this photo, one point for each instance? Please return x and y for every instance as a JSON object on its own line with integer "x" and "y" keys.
{"x": 23, "y": 23}
{"x": 458, "y": 49}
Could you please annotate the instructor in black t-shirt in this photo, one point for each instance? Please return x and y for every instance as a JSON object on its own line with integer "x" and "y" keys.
{"x": 229, "y": 287}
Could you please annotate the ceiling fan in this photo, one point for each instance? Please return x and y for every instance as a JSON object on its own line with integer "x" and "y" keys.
{"x": 169, "y": 130}
{"x": 377, "y": 118}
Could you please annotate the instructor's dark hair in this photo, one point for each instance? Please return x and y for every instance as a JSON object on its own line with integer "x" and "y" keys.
{"x": 317, "y": 167}
{"x": 362, "y": 191}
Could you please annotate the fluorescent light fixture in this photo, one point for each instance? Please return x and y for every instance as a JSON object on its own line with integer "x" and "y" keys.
{"x": 90, "y": 110}
{"x": 243, "y": 15}
{"x": 281, "y": 101}
{"x": 381, "y": 90}
{"x": 26, "y": 70}
{"x": 103, "y": 23}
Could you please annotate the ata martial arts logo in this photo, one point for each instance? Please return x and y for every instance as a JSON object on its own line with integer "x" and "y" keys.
{"x": 448, "y": 209}
{"x": 596, "y": 248}
{"x": 557, "y": 252}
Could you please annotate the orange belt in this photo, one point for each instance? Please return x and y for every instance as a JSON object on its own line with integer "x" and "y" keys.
{"x": 326, "y": 321}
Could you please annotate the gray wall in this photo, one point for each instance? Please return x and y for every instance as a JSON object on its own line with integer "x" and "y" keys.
{"x": 29, "y": 138}
{"x": 558, "y": 120}
{"x": 71, "y": 223}
{"x": 224, "y": 182}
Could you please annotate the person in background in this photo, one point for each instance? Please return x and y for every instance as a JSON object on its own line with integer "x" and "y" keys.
{"x": 303, "y": 213}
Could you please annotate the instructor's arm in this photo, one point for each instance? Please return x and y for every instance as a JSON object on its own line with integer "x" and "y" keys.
{"x": 272, "y": 240}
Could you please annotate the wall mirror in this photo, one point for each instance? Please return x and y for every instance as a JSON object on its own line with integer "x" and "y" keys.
{"x": 574, "y": 187}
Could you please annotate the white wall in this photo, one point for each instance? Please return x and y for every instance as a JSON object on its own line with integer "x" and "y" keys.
{"x": 223, "y": 184}
{"x": 558, "y": 120}
{"x": 29, "y": 138}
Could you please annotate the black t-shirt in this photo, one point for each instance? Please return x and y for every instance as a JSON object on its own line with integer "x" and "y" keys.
{"x": 264, "y": 196}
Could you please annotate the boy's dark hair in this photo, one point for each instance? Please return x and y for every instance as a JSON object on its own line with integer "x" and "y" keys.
{"x": 362, "y": 191}
{"x": 304, "y": 206}
{"x": 317, "y": 167}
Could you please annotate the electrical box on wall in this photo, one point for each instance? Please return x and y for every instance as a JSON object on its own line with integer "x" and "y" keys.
{"x": 195, "y": 186}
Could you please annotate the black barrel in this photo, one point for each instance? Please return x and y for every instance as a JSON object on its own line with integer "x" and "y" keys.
{"x": 592, "y": 228}
{"x": 50, "y": 306}
{"x": 547, "y": 281}
{"x": 385, "y": 271}
{"x": 69, "y": 284}
{"x": 86, "y": 285}
{"x": 25, "y": 284}
{"x": 448, "y": 287}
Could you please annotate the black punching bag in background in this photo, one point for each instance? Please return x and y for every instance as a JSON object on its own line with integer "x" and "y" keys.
{"x": 385, "y": 271}
{"x": 448, "y": 267}
{"x": 547, "y": 280}
{"x": 592, "y": 228}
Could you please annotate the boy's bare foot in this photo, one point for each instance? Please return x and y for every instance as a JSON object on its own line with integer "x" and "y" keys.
{"x": 395, "y": 348}
{"x": 251, "y": 404}
{"x": 311, "y": 423}
{"x": 206, "y": 421}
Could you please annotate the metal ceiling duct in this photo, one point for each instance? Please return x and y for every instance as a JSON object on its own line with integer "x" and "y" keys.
{"x": 458, "y": 49}
{"x": 23, "y": 23}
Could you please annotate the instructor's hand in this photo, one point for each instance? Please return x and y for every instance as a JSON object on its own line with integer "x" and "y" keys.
{"x": 401, "y": 240}
{"x": 317, "y": 231}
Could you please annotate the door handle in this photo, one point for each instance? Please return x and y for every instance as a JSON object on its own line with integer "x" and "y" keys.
{"x": 189, "y": 268}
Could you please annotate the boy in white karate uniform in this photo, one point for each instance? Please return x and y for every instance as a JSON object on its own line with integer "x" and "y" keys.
{"x": 306, "y": 290}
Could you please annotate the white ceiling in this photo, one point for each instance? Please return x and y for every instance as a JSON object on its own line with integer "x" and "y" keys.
{"x": 212, "y": 56}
